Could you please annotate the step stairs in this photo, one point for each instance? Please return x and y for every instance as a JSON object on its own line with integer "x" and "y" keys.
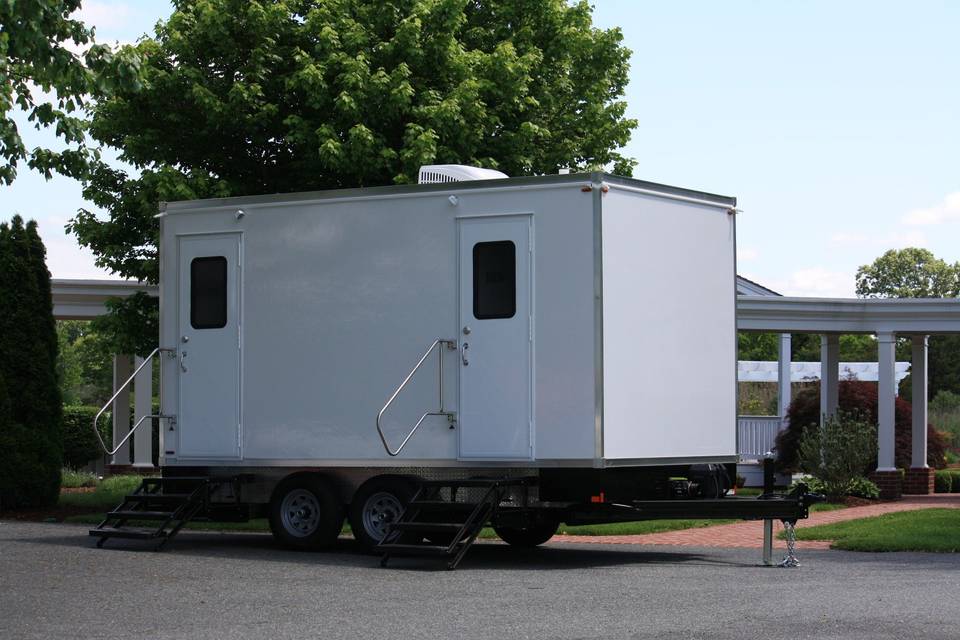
{"x": 444, "y": 526}
{"x": 168, "y": 502}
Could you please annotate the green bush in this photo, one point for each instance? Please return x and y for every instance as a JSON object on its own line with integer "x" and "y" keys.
{"x": 943, "y": 481}
{"x": 863, "y": 488}
{"x": 80, "y": 445}
{"x": 955, "y": 485}
{"x": 859, "y": 487}
{"x": 837, "y": 453}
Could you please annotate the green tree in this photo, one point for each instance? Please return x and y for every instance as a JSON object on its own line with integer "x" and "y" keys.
{"x": 908, "y": 273}
{"x": 30, "y": 449}
{"x": 85, "y": 364}
{"x": 918, "y": 273}
{"x": 36, "y": 38}
{"x": 244, "y": 97}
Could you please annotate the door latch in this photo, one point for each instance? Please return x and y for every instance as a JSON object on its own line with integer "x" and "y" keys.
{"x": 463, "y": 353}
{"x": 183, "y": 366}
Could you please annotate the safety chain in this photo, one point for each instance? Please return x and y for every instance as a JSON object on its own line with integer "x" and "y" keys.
{"x": 790, "y": 560}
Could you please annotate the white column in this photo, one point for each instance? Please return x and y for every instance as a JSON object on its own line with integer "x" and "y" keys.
{"x": 142, "y": 400}
{"x": 829, "y": 375}
{"x": 121, "y": 408}
{"x": 886, "y": 398}
{"x": 918, "y": 377}
{"x": 784, "y": 395}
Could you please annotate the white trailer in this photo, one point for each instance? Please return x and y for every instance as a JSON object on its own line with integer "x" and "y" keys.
{"x": 551, "y": 318}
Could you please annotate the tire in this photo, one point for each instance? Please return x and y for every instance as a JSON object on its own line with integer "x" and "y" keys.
{"x": 305, "y": 513}
{"x": 531, "y": 536}
{"x": 377, "y": 503}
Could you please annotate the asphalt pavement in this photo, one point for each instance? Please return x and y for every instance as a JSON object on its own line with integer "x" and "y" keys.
{"x": 55, "y": 584}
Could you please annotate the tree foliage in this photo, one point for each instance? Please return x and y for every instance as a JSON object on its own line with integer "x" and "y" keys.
{"x": 30, "y": 442}
{"x": 246, "y": 97}
{"x": 918, "y": 273}
{"x": 859, "y": 398}
{"x": 84, "y": 365}
{"x": 908, "y": 273}
{"x": 42, "y": 75}
{"x": 805, "y": 347}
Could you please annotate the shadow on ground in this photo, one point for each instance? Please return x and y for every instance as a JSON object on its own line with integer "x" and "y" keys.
{"x": 346, "y": 553}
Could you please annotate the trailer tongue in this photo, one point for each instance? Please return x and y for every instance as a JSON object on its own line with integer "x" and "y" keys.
{"x": 446, "y": 528}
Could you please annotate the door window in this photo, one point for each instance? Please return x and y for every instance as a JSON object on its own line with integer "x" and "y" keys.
{"x": 494, "y": 280}
{"x": 208, "y": 292}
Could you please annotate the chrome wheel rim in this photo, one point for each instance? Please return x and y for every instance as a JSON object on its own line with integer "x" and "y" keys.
{"x": 379, "y": 512}
{"x": 300, "y": 512}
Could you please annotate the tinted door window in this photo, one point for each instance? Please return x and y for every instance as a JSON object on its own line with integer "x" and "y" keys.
{"x": 494, "y": 280}
{"x": 208, "y": 292}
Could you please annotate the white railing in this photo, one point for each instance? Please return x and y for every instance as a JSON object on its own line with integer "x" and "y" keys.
{"x": 757, "y": 435}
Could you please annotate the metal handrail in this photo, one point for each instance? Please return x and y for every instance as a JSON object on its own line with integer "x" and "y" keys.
{"x": 451, "y": 345}
{"x": 123, "y": 386}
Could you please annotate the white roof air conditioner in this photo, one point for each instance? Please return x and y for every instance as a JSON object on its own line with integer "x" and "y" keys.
{"x": 434, "y": 173}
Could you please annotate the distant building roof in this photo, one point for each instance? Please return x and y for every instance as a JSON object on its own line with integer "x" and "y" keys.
{"x": 747, "y": 287}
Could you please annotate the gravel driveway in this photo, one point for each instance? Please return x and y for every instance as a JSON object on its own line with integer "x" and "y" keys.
{"x": 53, "y": 583}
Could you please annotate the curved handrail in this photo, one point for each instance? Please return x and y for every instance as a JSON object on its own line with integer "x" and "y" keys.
{"x": 123, "y": 386}
{"x": 450, "y": 344}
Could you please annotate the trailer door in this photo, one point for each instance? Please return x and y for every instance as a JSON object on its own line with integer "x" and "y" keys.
{"x": 495, "y": 409}
{"x": 208, "y": 417}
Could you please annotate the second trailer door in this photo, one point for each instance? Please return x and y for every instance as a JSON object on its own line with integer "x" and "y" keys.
{"x": 496, "y": 338}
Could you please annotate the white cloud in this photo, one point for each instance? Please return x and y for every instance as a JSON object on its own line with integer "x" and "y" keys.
{"x": 746, "y": 254}
{"x": 815, "y": 282}
{"x": 945, "y": 211}
{"x": 892, "y": 240}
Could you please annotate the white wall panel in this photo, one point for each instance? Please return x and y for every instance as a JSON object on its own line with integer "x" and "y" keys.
{"x": 668, "y": 299}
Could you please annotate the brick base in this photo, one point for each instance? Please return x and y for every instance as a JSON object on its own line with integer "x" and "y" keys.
{"x": 890, "y": 484}
{"x": 919, "y": 481}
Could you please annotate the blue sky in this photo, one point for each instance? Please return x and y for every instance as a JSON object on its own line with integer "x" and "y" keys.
{"x": 836, "y": 124}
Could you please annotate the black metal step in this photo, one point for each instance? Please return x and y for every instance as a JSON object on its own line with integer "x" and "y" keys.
{"x": 426, "y": 527}
{"x": 158, "y": 497}
{"x": 135, "y": 534}
{"x": 414, "y": 549}
{"x": 434, "y": 505}
{"x": 141, "y": 515}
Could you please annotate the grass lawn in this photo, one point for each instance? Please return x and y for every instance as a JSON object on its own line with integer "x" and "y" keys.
{"x": 919, "y": 530}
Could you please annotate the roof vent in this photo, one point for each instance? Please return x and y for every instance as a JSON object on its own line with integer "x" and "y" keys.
{"x": 436, "y": 173}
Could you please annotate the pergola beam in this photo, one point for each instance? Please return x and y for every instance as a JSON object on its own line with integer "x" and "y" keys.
{"x": 781, "y": 314}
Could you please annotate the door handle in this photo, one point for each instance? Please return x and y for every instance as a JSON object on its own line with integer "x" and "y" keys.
{"x": 463, "y": 353}
{"x": 183, "y": 367}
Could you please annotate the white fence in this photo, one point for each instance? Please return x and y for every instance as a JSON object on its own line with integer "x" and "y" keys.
{"x": 757, "y": 435}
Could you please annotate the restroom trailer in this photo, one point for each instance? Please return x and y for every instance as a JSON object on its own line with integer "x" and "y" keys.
{"x": 557, "y": 348}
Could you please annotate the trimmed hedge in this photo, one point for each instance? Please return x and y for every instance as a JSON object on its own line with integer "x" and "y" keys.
{"x": 80, "y": 445}
{"x": 947, "y": 481}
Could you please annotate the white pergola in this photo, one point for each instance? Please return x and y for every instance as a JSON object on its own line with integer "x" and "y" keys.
{"x": 887, "y": 319}
{"x": 85, "y": 300}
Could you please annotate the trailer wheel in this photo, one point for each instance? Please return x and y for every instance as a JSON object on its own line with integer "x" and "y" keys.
{"x": 530, "y": 536}
{"x": 305, "y": 513}
{"x": 377, "y": 503}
